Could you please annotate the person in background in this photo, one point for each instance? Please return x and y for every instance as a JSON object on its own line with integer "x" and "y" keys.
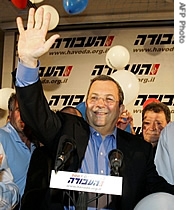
{"x": 82, "y": 108}
{"x": 150, "y": 100}
{"x": 164, "y": 157}
{"x": 9, "y": 192}
{"x": 71, "y": 110}
{"x": 96, "y": 137}
{"x": 125, "y": 122}
{"x": 155, "y": 116}
{"x": 18, "y": 148}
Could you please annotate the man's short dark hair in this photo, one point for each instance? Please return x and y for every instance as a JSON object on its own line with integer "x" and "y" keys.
{"x": 158, "y": 107}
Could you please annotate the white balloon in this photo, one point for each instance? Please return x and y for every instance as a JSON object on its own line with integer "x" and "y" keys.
{"x": 117, "y": 57}
{"x": 54, "y": 16}
{"x": 5, "y": 93}
{"x": 129, "y": 84}
{"x": 36, "y": 1}
{"x": 156, "y": 201}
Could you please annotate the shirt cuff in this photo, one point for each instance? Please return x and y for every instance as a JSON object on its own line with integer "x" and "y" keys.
{"x": 26, "y": 76}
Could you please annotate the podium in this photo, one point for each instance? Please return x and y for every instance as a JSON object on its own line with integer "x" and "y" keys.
{"x": 90, "y": 187}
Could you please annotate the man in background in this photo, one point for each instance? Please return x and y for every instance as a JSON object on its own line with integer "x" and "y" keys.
{"x": 155, "y": 116}
{"x": 17, "y": 146}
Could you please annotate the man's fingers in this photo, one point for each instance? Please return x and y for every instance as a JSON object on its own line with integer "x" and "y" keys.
{"x": 51, "y": 41}
{"x": 46, "y": 22}
{"x": 31, "y": 18}
{"x": 19, "y": 24}
{"x": 38, "y": 17}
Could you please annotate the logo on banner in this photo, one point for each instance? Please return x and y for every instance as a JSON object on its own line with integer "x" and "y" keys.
{"x": 91, "y": 41}
{"x": 137, "y": 69}
{"x": 81, "y": 45}
{"x": 154, "y": 43}
{"x": 154, "y": 39}
{"x": 55, "y": 71}
{"x": 166, "y": 99}
{"x": 140, "y": 69}
{"x": 94, "y": 183}
{"x": 143, "y": 69}
{"x": 47, "y": 74}
{"x": 66, "y": 100}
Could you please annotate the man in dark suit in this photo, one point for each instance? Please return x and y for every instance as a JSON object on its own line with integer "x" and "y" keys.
{"x": 95, "y": 138}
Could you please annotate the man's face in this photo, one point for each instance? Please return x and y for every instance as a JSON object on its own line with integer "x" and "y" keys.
{"x": 102, "y": 106}
{"x": 15, "y": 119}
{"x": 152, "y": 125}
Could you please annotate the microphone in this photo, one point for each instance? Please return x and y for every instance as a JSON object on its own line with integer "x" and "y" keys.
{"x": 68, "y": 147}
{"x": 115, "y": 157}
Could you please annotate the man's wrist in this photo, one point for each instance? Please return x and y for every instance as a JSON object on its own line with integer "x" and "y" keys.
{"x": 31, "y": 63}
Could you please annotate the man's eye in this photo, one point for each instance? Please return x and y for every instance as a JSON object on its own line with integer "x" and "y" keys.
{"x": 109, "y": 99}
{"x": 94, "y": 98}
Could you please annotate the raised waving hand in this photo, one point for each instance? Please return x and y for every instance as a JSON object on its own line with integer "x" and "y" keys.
{"x": 32, "y": 42}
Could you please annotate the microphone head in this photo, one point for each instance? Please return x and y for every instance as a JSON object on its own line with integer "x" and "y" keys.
{"x": 65, "y": 148}
{"x": 68, "y": 146}
{"x": 115, "y": 157}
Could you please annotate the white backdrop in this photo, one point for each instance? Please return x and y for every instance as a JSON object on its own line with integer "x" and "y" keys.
{"x": 78, "y": 56}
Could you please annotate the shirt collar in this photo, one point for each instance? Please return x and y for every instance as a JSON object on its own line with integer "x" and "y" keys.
{"x": 93, "y": 131}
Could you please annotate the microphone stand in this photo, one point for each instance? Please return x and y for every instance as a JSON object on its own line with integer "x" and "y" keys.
{"x": 66, "y": 147}
{"x": 82, "y": 201}
{"x": 114, "y": 171}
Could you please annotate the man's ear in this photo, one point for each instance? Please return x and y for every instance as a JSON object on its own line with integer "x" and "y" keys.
{"x": 122, "y": 108}
{"x": 9, "y": 113}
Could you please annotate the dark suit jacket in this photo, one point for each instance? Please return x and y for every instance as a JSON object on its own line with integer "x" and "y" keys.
{"x": 139, "y": 174}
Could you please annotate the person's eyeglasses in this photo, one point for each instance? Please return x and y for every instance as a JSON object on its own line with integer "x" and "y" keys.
{"x": 108, "y": 100}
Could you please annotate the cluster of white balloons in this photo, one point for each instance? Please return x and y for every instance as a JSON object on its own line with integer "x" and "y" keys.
{"x": 117, "y": 58}
{"x": 5, "y": 93}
